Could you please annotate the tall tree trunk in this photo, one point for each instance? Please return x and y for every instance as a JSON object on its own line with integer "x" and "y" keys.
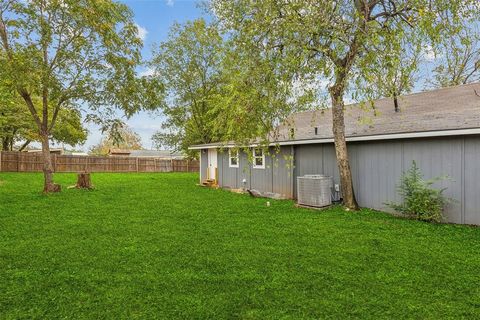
{"x": 395, "y": 103}
{"x": 49, "y": 185}
{"x": 395, "y": 100}
{"x": 5, "y": 144}
{"x": 346, "y": 182}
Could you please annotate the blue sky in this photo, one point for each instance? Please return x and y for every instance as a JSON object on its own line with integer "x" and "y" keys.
{"x": 154, "y": 18}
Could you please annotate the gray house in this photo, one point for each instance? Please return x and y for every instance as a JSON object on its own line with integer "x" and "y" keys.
{"x": 438, "y": 129}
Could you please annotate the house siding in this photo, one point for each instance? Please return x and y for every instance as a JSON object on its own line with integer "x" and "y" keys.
{"x": 283, "y": 172}
{"x": 277, "y": 176}
{"x": 471, "y": 181}
{"x": 232, "y": 177}
{"x": 203, "y": 164}
{"x": 378, "y": 166}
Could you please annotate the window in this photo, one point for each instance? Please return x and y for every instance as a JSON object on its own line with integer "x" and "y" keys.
{"x": 258, "y": 159}
{"x": 233, "y": 159}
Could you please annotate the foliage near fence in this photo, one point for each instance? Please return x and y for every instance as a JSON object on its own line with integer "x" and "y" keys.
{"x": 33, "y": 162}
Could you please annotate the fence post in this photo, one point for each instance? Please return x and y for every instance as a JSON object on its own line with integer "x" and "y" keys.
{"x": 18, "y": 159}
{"x": 155, "y": 164}
{"x": 172, "y": 165}
{"x": 55, "y": 162}
{"x": 187, "y": 165}
{"x": 137, "y": 163}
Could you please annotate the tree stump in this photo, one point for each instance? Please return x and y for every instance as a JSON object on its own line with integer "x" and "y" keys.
{"x": 84, "y": 181}
{"x": 53, "y": 187}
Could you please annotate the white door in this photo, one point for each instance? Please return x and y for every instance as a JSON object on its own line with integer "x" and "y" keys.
{"x": 212, "y": 163}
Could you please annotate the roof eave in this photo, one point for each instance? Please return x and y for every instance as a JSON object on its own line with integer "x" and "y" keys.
{"x": 392, "y": 136}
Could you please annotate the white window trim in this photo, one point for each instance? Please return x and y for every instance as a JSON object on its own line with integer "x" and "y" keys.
{"x": 230, "y": 165}
{"x": 263, "y": 159}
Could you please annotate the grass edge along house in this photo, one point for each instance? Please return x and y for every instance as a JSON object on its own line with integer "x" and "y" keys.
{"x": 439, "y": 129}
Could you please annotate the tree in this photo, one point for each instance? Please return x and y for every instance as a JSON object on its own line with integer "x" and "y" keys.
{"x": 72, "y": 54}
{"x": 343, "y": 41}
{"x": 397, "y": 76}
{"x": 189, "y": 64}
{"x": 12, "y": 117}
{"x": 17, "y": 125}
{"x": 259, "y": 92}
{"x": 458, "y": 61}
{"x": 124, "y": 138}
{"x": 68, "y": 128}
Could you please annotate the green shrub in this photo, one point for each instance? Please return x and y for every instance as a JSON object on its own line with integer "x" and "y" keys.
{"x": 420, "y": 200}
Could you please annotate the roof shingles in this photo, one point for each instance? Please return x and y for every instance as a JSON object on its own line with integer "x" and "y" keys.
{"x": 442, "y": 109}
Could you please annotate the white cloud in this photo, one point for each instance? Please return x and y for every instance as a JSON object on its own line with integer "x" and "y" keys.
{"x": 429, "y": 53}
{"x": 348, "y": 100}
{"x": 141, "y": 32}
{"x": 147, "y": 72}
{"x": 145, "y": 124}
{"x": 323, "y": 83}
{"x": 169, "y": 3}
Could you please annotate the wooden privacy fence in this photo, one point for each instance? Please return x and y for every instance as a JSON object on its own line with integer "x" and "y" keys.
{"x": 11, "y": 161}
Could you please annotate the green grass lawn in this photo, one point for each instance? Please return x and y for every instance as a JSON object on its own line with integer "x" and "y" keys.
{"x": 158, "y": 246}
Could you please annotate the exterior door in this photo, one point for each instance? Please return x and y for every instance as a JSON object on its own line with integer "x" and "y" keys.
{"x": 212, "y": 163}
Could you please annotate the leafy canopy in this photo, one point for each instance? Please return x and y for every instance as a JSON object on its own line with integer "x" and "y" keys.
{"x": 189, "y": 64}
{"x": 330, "y": 48}
{"x": 73, "y": 54}
{"x": 17, "y": 125}
{"x": 458, "y": 61}
{"x": 123, "y": 138}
